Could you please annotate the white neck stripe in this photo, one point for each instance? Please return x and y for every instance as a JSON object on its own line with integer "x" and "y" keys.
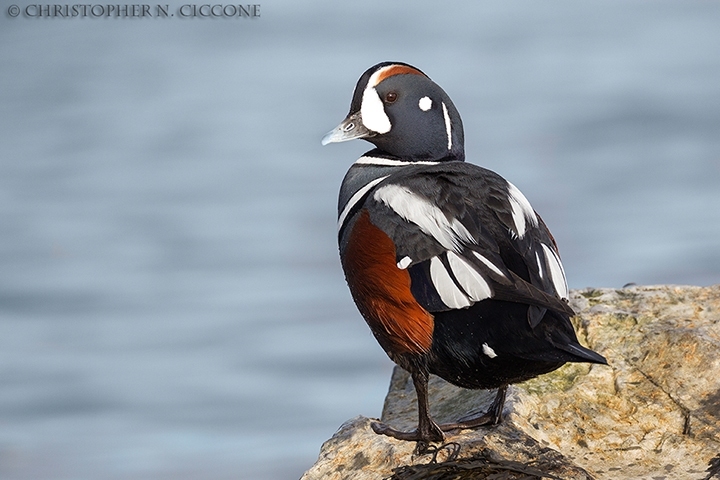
{"x": 389, "y": 162}
{"x": 448, "y": 129}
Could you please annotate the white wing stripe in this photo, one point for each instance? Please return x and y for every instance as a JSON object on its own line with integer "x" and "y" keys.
{"x": 540, "y": 265}
{"x": 489, "y": 264}
{"x": 450, "y": 294}
{"x": 557, "y": 274}
{"x": 448, "y": 231}
{"x": 470, "y": 280}
{"x": 521, "y": 210}
{"x": 356, "y": 198}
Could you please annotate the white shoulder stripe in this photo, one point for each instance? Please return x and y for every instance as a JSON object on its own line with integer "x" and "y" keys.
{"x": 365, "y": 160}
{"x": 470, "y": 280}
{"x": 557, "y": 274}
{"x": 449, "y": 293}
{"x": 522, "y": 211}
{"x": 356, "y": 198}
{"x": 449, "y": 232}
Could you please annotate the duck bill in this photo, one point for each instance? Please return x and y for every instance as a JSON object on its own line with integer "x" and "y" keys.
{"x": 350, "y": 128}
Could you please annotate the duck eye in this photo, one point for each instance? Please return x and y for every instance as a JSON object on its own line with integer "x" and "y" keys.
{"x": 390, "y": 97}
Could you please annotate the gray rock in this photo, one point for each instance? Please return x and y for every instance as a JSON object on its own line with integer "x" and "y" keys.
{"x": 654, "y": 413}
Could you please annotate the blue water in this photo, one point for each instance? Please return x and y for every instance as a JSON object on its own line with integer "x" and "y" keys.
{"x": 171, "y": 302}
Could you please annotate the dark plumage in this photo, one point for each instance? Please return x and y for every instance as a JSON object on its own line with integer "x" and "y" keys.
{"x": 448, "y": 263}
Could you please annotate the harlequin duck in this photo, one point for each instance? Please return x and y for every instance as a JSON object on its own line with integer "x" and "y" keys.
{"x": 448, "y": 263}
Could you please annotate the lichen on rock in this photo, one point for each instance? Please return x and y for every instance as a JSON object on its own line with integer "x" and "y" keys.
{"x": 654, "y": 413}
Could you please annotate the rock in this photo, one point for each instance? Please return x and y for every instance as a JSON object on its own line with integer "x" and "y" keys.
{"x": 654, "y": 413}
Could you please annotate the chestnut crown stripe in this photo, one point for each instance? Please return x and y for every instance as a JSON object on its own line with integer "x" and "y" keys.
{"x": 391, "y": 70}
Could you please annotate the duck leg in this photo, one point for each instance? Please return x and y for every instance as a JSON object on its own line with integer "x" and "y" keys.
{"x": 427, "y": 430}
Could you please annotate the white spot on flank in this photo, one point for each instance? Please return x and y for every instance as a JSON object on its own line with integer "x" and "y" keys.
{"x": 404, "y": 263}
{"x": 448, "y": 231}
{"x": 469, "y": 279}
{"x": 425, "y": 104}
{"x": 557, "y": 274}
{"x": 521, "y": 210}
{"x": 355, "y": 198}
{"x": 448, "y": 128}
{"x": 449, "y": 293}
{"x": 372, "y": 112}
{"x": 488, "y": 351}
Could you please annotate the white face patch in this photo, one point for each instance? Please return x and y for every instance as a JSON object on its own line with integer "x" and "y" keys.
{"x": 448, "y": 128}
{"x": 425, "y": 104}
{"x": 488, "y": 351}
{"x": 448, "y": 231}
{"x": 521, "y": 210}
{"x": 557, "y": 274}
{"x": 372, "y": 112}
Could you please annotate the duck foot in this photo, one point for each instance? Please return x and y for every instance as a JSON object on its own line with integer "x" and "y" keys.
{"x": 429, "y": 432}
{"x": 433, "y": 433}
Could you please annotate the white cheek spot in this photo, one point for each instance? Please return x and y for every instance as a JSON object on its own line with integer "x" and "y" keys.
{"x": 425, "y": 104}
{"x": 372, "y": 112}
{"x": 404, "y": 263}
{"x": 448, "y": 128}
{"x": 488, "y": 351}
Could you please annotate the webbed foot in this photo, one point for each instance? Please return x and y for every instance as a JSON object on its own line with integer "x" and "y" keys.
{"x": 432, "y": 433}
